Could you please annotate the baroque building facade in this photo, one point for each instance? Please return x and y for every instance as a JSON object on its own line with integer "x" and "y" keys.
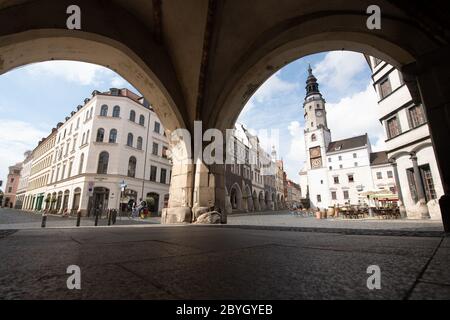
{"x": 408, "y": 142}
{"x": 255, "y": 179}
{"x": 110, "y": 151}
{"x": 337, "y": 173}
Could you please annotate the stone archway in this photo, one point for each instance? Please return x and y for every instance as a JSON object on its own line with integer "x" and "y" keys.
{"x": 249, "y": 199}
{"x": 236, "y": 197}
{"x": 262, "y": 204}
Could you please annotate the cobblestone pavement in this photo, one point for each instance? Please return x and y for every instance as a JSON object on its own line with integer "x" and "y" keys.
{"x": 214, "y": 262}
{"x": 18, "y": 219}
{"x": 286, "y": 219}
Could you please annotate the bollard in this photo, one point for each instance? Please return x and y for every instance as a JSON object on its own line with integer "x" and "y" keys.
{"x": 44, "y": 220}
{"x": 109, "y": 217}
{"x": 96, "y": 217}
{"x": 78, "y": 218}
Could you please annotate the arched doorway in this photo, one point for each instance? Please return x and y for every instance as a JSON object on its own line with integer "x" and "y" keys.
{"x": 153, "y": 203}
{"x": 262, "y": 204}
{"x": 76, "y": 200}
{"x": 249, "y": 199}
{"x": 98, "y": 201}
{"x": 236, "y": 197}
{"x": 59, "y": 200}
{"x": 66, "y": 201}
{"x": 255, "y": 201}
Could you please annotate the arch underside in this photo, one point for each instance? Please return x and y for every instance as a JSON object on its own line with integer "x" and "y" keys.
{"x": 48, "y": 45}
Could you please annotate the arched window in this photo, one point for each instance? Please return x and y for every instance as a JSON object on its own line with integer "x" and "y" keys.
{"x": 132, "y": 167}
{"x": 80, "y": 167}
{"x": 313, "y": 137}
{"x": 142, "y": 120}
{"x": 104, "y": 111}
{"x": 100, "y": 135}
{"x": 132, "y": 116}
{"x": 92, "y": 112}
{"x": 84, "y": 138}
{"x": 103, "y": 160}
{"x": 113, "y": 136}
{"x": 116, "y": 112}
{"x": 130, "y": 140}
{"x": 139, "y": 143}
{"x": 87, "y": 136}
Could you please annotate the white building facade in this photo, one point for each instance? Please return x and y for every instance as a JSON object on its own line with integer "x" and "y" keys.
{"x": 336, "y": 173}
{"x": 109, "y": 152}
{"x": 408, "y": 142}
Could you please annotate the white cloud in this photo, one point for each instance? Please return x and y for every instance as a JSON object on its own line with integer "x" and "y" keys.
{"x": 270, "y": 89}
{"x": 339, "y": 68}
{"x": 356, "y": 115}
{"x": 297, "y": 142}
{"x": 16, "y": 137}
{"x": 79, "y": 73}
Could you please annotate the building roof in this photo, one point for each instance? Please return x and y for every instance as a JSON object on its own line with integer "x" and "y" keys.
{"x": 377, "y": 158}
{"x": 347, "y": 144}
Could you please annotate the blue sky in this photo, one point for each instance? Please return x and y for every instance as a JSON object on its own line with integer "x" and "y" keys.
{"x": 34, "y": 98}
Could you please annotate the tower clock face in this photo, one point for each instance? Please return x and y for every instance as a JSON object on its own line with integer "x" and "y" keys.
{"x": 319, "y": 113}
{"x": 316, "y": 163}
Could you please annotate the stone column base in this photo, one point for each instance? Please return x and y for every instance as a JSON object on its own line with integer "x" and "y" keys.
{"x": 176, "y": 215}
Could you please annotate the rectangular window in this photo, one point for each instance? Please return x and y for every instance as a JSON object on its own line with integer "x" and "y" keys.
{"x": 351, "y": 178}
{"x": 164, "y": 152}
{"x": 319, "y": 198}
{"x": 377, "y": 61}
{"x": 341, "y": 166}
{"x": 356, "y": 164}
{"x": 340, "y": 158}
{"x": 390, "y": 175}
{"x": 163, "y": 176}
{"x": 157, "y": 127}
{"x": 379, "y": 175}
{"x": 393, "y": 127}
{"x": 428, "y": 183}
{"x": 354, "y": 155}
{"x": 155, "y": 149}
{"x": 333, "y": 195}
{"x": 336, "y": 180}
{"x": 385, "y": 87}
{"x": 416, "y": 116}
{"x": 346, "y": 195}
{"x": 153, "y": 170}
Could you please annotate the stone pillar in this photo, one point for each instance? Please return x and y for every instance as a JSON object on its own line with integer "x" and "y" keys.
{"x": 180, "y": 200}
{"x": 179, "y": 208}
{"x": 401, "y": 205}
{"x": 423, "y": 208}
{"x": 432, "y": 75}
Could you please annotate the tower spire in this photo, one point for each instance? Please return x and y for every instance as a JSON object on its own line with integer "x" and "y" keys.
{"x": 312, "y": 87}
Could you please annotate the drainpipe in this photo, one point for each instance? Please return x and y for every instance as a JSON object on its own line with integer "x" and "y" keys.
{"x": 146, "y": 155}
